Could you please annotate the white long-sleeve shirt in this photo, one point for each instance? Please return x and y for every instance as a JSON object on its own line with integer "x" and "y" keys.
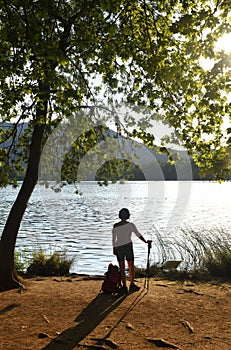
{"x": 121, "y": 233}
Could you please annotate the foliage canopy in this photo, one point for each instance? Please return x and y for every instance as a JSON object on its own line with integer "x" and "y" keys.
{"x": 61, "y": 55}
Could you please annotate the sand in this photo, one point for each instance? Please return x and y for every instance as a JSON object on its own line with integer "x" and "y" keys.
{"x": 70, "y": 313}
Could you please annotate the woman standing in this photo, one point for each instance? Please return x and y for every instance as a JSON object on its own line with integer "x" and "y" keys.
{"x": 123, "y": 249}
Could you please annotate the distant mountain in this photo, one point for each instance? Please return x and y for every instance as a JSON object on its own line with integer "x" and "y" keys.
{"x": 154, "y": 166}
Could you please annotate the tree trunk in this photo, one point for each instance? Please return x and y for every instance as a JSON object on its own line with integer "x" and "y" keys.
{"x": 8, "y": 278}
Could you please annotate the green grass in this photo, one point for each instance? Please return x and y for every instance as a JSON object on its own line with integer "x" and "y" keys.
{"x": 153, "y": 271}
{"x": 55, "y": 264}
{"x": 21, "y": 260}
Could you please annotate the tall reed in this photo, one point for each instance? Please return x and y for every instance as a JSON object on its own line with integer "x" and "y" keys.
{"x": 204, "y": 250}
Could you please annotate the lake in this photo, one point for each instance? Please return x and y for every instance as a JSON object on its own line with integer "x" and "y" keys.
{"x": 82, "y": 224}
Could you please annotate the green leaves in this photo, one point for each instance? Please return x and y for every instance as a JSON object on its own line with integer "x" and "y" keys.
{"x": 57, "y": 56}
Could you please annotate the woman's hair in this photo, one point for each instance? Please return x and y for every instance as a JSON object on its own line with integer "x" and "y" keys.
{"x": 124, "y": 214}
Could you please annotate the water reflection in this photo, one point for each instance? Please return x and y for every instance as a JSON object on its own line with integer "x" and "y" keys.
{"x": 82, "y": 224}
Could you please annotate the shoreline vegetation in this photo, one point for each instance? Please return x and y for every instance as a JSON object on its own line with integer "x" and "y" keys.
{"x": 192, "y": 255}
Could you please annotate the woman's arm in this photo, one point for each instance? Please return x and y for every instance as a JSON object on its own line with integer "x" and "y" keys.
{"x": 138, "y": 234}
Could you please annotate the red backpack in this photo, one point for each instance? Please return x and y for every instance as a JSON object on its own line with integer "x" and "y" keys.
{"x": 112, "y": 280}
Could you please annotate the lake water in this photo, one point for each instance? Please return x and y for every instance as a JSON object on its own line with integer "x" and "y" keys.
{"x": 82, "y": 224}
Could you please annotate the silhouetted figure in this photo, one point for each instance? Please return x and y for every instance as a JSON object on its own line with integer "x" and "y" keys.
{"x": 123, "y": 248}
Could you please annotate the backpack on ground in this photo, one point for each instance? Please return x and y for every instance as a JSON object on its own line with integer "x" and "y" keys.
{"x": 112, "y": 280}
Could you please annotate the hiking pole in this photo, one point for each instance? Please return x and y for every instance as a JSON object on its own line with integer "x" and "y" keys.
{"x": 147, "y": 274}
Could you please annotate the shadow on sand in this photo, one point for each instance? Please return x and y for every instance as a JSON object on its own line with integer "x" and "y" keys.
{"x": 91, "y": 317}
{"x": 88, "y": 320}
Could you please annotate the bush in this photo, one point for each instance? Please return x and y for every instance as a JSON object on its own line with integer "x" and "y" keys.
{"x": 217, "y": 261}
{"x": 58, "y": 264}
{"x": 174, "y": 274}
{"x": 154, "y": 271}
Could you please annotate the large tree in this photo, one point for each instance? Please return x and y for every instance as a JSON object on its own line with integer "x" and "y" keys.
{"x": 57, "y": 55}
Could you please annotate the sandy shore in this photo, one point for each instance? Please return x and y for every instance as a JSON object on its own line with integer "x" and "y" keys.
{"x": 69, "y": 313}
